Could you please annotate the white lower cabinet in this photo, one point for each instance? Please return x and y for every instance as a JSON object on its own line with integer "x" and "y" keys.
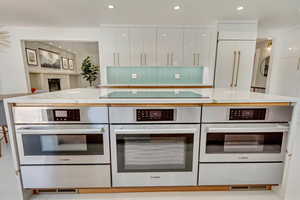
{"x": 240, "y": 173}
{"x": 66, "y": 176}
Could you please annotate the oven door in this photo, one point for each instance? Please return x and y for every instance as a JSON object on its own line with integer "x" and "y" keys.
{"x": 63, "y": 144}
{"x": 243, "y": 142}
{"x": 155, "y": 155}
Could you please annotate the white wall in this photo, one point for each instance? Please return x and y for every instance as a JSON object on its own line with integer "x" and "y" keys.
{"x": 12, "y": 70}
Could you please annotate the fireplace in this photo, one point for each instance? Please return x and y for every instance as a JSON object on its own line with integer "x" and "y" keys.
{"x": 54, "y": 84}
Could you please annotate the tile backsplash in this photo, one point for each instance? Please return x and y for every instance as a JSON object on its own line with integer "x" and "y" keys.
{"x": 154, "y": 75}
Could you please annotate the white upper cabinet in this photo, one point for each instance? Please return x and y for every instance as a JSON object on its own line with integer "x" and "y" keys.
{"x": 235, "y": 64}
{"x": 115, "y": 47}
{"x": 197, "y": 47}
{"x": 143, "y": 46}
{"x": 169, "y": 47}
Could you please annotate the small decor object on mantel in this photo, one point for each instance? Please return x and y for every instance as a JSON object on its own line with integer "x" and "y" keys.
{"x": 89, "y": 70}
{"x": 31, "y": 57}
{"x": 49, "y": 59}
{"x": 71, "y": 64}
{"x": 65, "y": 63}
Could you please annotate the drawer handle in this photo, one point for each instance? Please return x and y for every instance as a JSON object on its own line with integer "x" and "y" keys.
{"x": 156, "y": 177}
{"x": 65, "y": 159}
{"x": 243, "y": 157}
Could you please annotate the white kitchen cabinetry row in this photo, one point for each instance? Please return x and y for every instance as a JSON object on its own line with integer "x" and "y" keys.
{"x": 158, "y": 46}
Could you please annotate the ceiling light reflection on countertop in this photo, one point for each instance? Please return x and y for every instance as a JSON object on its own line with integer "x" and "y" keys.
{"x": 240, "y": 8}
{"x": 176, "y": 7}
{"x": 111, "y": 6}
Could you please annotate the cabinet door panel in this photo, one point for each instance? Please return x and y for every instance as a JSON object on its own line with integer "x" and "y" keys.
{"x": 149, "y": 46}
{"x": 245, "y": 65}
{"x": 235, "y": 70}
{"x": 122, "y": 46}
{"x": 170, "y": 46}
{"x": 226, "y": 61}
{"x": 136, "y": 46}
{"x": 190, "y": 46}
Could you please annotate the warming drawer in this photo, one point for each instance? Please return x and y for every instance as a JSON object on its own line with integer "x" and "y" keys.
{"x": 240, "y": 173}
{"x": 66, "y": 176}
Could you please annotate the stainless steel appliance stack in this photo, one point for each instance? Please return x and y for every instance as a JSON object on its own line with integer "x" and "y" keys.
{"x": 63, "y": 147}
{"x": 86, "y": 147}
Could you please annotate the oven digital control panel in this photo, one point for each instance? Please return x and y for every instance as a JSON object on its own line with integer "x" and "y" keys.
{"x": 154, "y": 114}
{"x": 247, "y": 114}
{"x": 63, "y": 115}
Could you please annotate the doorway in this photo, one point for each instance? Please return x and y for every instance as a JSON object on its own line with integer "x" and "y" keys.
{"x": 261, "y": 67}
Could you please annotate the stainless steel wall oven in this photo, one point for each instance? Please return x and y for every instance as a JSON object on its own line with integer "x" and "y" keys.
{"x": 164, "y": 153}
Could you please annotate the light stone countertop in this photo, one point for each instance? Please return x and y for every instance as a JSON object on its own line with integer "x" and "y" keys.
{"x": 92, "y": 95}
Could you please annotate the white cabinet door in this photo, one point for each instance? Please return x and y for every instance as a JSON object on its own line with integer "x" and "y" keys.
{"x": 170, "y": 46}
{"x": 149, "y": 43}
{"x": 235, "y": 64}
{"x": 108, "y": 50}
{"x": 115, "y": 47}
{"x": 136, "y": 46}
{"x": 122, "y": 46}
{"x": 197, "y": 47}
{"x": 143, "y": 46}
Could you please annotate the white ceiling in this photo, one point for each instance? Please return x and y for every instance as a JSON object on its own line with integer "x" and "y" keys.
{"x": 272, "y": 14}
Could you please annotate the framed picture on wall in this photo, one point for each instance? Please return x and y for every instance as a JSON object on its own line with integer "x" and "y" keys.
{"x": 71, "y": 64}
{"x": 31, "y": 57}
{"x": 65, "y": 63}
{"x": 49, "y": 59}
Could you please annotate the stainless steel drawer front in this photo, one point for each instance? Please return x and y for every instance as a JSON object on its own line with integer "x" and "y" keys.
{"x": 66, "y": 176}
{"x": 240, "y": 173}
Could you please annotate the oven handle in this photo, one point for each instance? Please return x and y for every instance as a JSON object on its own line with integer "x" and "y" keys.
{"x": 276, "y": 128}
{"x": 63, "y": 131}
{"x": 154, "y": 131}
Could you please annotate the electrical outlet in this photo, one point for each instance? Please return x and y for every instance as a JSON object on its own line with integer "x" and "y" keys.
{"x": 133, "y": 76}
{"x": 177, "y": 76}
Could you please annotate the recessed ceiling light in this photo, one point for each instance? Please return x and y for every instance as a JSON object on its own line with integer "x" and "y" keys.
{"x": 110, "y": 6}
{"x": 239, "y": 8}
{"x": 176, "y": 7}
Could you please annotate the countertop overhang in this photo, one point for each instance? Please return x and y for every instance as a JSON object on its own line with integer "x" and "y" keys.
{"x": 90, "y": 97}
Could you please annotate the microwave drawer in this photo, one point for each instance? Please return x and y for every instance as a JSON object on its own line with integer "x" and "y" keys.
{"x": 240, "y": 173}
{"x": 66, "y": 176}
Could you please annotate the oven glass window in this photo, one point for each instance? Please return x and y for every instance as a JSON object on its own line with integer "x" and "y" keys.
{"x": 154, "y": 152}
{"x": 244, "y": 142}
{"x": 63, "y": 144}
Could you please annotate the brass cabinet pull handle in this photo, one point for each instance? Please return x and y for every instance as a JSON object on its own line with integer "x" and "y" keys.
{"x": 238, "y": 68}
{"x": 194, "y": 59}
{"x": 114, "y": 58}
{"x": 232, "y": 77}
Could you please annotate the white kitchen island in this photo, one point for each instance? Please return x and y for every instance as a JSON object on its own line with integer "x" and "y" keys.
{"x": 207, "y": 99}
